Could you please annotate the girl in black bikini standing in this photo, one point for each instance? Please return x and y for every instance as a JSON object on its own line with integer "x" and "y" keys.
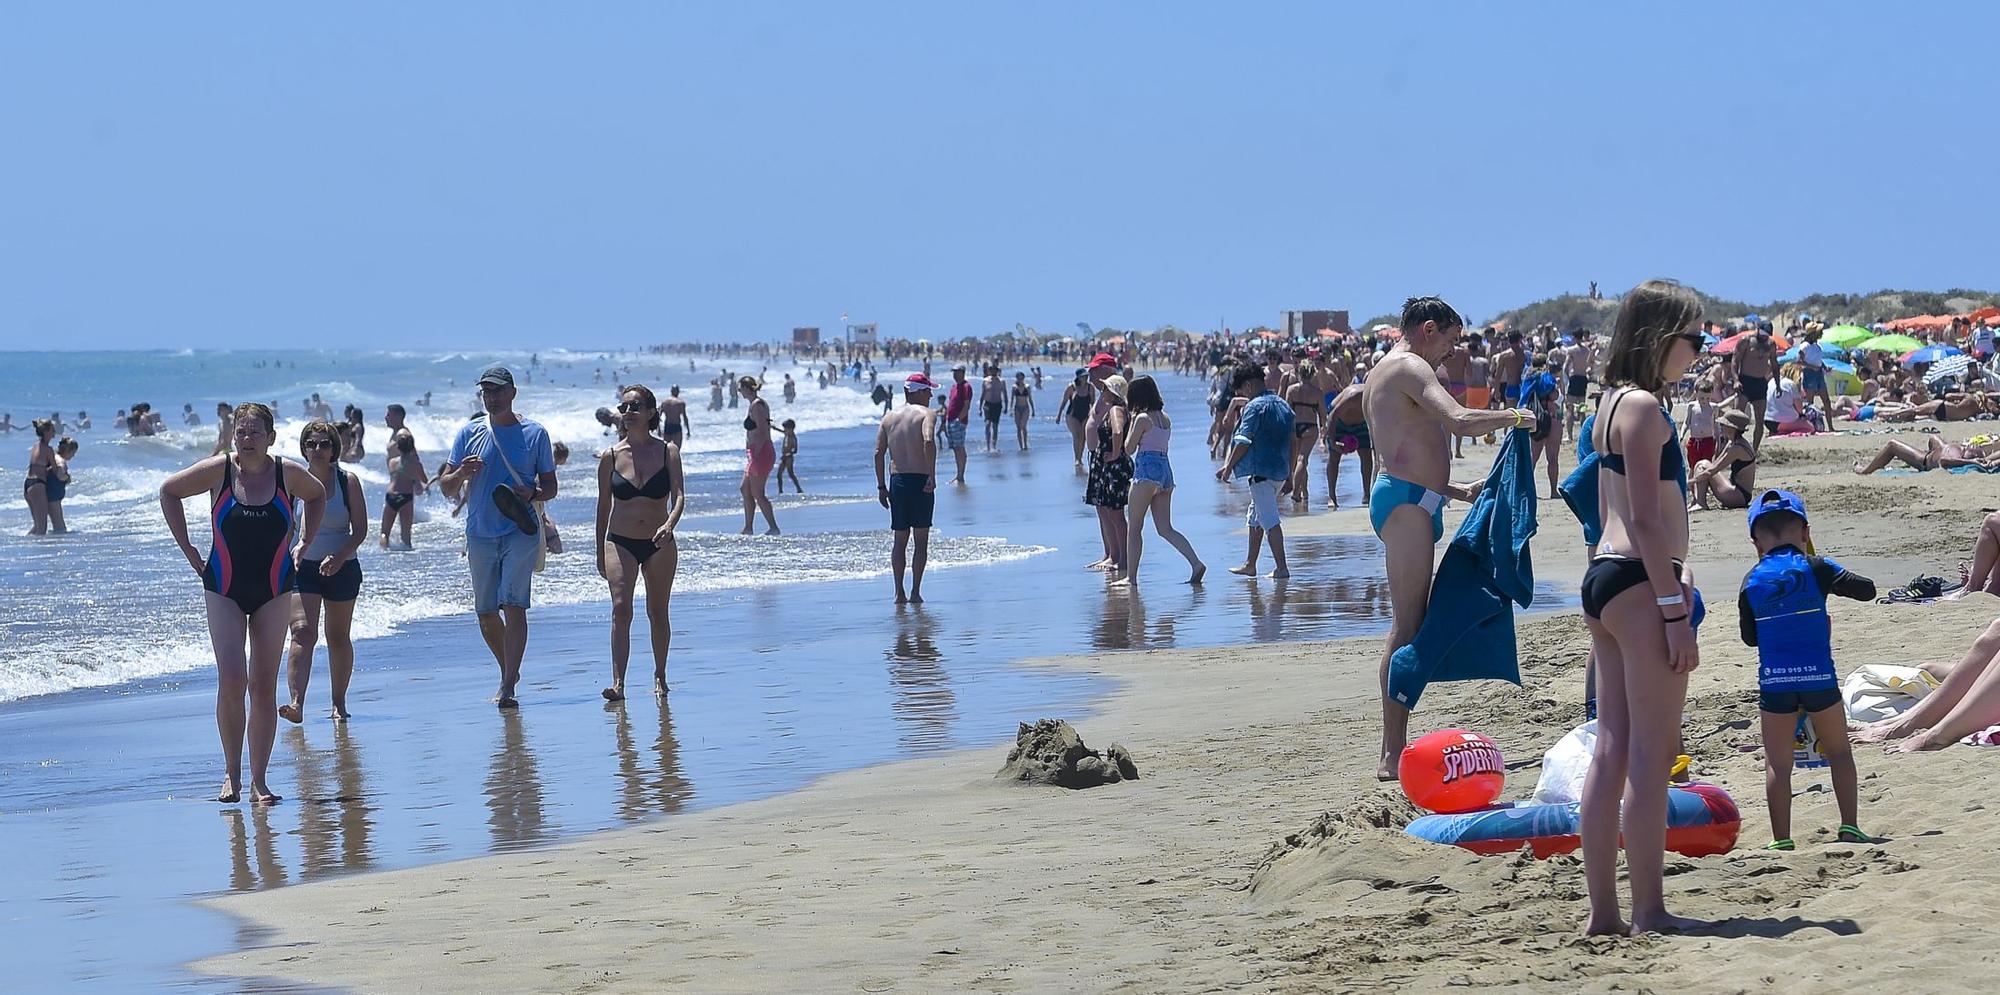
{"x": 1638, "y": 596}
{"x": 249, "y": 577}
{"x": 635, "y": 532}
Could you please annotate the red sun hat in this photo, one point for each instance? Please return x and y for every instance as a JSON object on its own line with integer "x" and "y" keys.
{"x": 1103, "y": 359}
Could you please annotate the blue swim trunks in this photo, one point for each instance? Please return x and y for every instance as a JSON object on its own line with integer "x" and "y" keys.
{"x": 1391, "y": 493}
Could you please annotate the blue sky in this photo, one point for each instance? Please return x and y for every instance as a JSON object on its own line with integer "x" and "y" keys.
{"x": 217, "y": 175}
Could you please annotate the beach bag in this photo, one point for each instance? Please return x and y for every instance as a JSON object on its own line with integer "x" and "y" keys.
{"x": 1877, "y": 691}
{"x": 1565, "y": 765}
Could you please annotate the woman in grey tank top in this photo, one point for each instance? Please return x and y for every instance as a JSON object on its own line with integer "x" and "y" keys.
{"x": 328, "y": 574}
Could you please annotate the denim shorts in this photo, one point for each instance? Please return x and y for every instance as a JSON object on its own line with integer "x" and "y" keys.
{"x": 503, "y": 570}
{"x": 1154, "y": 466}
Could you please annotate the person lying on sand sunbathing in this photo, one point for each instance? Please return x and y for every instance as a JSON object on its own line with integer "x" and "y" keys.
{"x": 1967, "y": 702}
{"x": 1951, "y": 407}
{"x": 1937, "y": 454}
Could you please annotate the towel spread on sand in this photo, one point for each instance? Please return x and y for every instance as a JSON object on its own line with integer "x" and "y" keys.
{"x": 1468, "y": 630}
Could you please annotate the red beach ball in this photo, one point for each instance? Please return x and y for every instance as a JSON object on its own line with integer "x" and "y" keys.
{"x": 1452, "y": 770}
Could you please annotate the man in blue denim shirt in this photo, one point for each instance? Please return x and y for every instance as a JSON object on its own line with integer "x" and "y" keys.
{"x": 1261, "y": 450}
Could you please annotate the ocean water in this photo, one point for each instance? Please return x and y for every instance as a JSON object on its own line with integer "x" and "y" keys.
{"x": 111, "y": 603}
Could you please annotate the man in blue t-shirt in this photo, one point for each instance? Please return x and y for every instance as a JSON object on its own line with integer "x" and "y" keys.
{"x": 1782, "y": 612}
{"x": 1261, "y": 450}
{"x": 505, "y": 463}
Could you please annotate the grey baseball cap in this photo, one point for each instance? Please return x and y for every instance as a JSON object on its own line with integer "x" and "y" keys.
{"x": 498, "y": 376}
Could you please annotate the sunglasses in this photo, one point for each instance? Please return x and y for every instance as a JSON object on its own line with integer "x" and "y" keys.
{"x": 631, "y": 407}
{"x": 317, "y": 444}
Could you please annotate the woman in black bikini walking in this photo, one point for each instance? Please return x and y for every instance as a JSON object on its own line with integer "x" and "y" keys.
{"x": 635, "y": 532}
{"x": 1022, "y": 400}
{"x": 249, "y": 577}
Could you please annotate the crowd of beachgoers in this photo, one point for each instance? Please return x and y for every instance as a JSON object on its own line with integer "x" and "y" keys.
{"x": 1282, "y": 416}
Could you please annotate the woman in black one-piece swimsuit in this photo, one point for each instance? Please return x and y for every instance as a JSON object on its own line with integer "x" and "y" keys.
{"x": 249, "y": 579}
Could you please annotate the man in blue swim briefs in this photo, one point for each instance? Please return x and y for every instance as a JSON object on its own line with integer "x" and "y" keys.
{"x": 1412, "y": 418}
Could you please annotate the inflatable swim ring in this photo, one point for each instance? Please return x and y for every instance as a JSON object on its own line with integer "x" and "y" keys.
{"x": 1701, "y": 821}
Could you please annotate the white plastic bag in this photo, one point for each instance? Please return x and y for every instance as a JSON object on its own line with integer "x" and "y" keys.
{"x": 1877, "y": 691}
{"x": 1564, "y": 766}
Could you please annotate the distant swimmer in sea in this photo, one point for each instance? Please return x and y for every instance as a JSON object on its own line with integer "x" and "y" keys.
{"x": 41, "y": 470}
{"x": 249, "y": 579}
{"x": 407, "y": 479}
{"x": 906, "y": 442}
{"x": 503, "y": 463}
{"x": 223, "y": 429}
{"x": 329, "y": 575}
{"x": 1411, "y": 418}
{"x": 1152, "y": 482}
{"x": 641, "y": 495}
{"x": 788, "y": 454}
{"x": 760, "y": 457}
{"x": 674, "y": 424}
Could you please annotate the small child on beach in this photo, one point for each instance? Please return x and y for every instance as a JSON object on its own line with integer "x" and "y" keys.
{"x": 1700, "y": 430}
{"x": 1782, "y": 612}
{"x": 787, "y": 454}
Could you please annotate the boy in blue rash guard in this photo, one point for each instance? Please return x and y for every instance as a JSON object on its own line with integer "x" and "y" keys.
{"x": 1782, "y": 612}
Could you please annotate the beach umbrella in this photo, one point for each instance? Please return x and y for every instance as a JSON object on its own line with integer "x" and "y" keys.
{"x": 1898, "y": 344}
{"x": 1949, "y": 368}
{"x": 1846, "y": 336}
{"x": 1842, "y": 378}
{"x": 1792, "y": 355}
{"x": 1929, "y": 354}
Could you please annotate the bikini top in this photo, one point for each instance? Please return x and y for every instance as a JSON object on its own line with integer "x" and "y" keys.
{"x": 749, "y": 423}
{"x": 658, "y": 486}
{"x": 1672, "y": 464}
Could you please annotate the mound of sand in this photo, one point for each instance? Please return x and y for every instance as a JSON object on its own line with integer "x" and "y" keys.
{"x": 1050, "y": 752}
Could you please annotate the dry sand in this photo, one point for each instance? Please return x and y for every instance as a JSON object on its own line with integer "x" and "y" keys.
{"x": 1256, "y": 853}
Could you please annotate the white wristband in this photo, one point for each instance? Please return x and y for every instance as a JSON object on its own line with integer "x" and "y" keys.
{"x": 1670, "y": 600}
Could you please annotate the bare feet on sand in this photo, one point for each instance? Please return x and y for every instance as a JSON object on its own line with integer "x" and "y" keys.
{"x": 340, "y": 713}
{"x": 229, "y": 792}
{"x": 1879, "y": 732}
{"x": 1664, "y": 923}
{"x": 1279, "y": 574}
{"x": 1244, "y": 570}
{"x": 263, "y": 795}
{"x": 293, "y": 713}
{"x": 1926, "y": 741}
{"x": 1200, "y": 569}
{"x": 1614, "y": 927}
{"x": 615, "y": 692}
